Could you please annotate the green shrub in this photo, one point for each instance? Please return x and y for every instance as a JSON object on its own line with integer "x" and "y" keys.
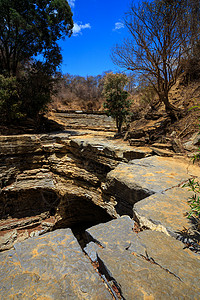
{"x": 28, "y": 94}
{"x": 36, "y": 89}
{"x": 194, "y": 186}
{"x": 194, "y": 200}
{"x": 10, "y": 103}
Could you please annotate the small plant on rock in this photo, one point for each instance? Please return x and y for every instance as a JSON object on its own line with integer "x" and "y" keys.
{"x": 194, "y": 200}
{"x": 194, "y": 186}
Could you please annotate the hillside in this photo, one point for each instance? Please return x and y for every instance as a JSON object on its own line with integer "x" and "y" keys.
{"x": 148, "y": 122}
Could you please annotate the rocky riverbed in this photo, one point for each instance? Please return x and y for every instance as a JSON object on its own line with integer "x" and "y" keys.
{"x": 86, "y": 216}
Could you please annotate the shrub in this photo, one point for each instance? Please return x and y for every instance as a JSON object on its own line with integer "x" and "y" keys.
{"x": 194, "y": 186}
{"x": 10, "y": 103}
{"x": 28, "y": 94}
{"x": 194, "y": 200}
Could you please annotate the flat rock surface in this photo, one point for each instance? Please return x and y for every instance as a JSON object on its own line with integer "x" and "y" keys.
{"x": 110, "y": 147}
{"x": 89, "y": 121}
{"x": 153, "y": 174}
{"x": 49, "y": 267}
{"x": 152, "y": 266}
{"x": 166, "y": 212}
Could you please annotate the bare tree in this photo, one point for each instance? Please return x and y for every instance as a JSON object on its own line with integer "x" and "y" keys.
{"x": 161, "y": 35}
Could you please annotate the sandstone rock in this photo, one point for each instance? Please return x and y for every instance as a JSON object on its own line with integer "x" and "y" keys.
{"x": 7, "y": 239}
{"x": 137, "y": 142}
{"x": 132, "y": 182}
{"x": 193, "y": 143}
{"x": 114, "y": 234}
{"x": 136, "y": 134}
{"x": 153, "y": 174}
{"x": 152, "y": 265}
{"x": 177, "y": 145}
{"x": 49, "y": 267}
{"x": 162, "y": 146}
{"x": 165, "y": 212}
{"x": 80, "y": 120}
{"x": 19, "y": 144}
{"x": 162, "y": 152}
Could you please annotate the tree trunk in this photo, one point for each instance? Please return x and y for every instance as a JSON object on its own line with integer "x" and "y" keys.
{"x": 173, "y": 112}
{"x": 119, "y": 122}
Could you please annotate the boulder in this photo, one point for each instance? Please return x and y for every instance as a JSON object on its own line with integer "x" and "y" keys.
{"x": 165, "y": 212}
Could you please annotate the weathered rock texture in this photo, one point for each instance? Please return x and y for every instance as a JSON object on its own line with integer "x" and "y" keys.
{"x": 54, "y": 181}
{"x": 52, "y": 266}
{"x": 77, "y": 180}
{"x": 147, "y": 265}
{"x": 82, "y": 120}
{"x": 140, "y": 179}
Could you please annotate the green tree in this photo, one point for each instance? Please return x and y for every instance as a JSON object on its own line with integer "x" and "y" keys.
{"x": 161, "y": 34}
{"x": 30, "y": 54}
{"x": 36, "y": 87}
{"x": 29, "y": 28}
{"x": 116, "y": 105}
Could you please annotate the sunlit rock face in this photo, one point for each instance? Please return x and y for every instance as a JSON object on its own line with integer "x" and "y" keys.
{"x": 124, "y": 206}
{"x": 72, "y": 179}
{"x": 54, "y": 181}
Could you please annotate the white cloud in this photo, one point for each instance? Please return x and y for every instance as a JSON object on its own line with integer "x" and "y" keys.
{"x": 118, "y": 25}
{"x": 71, "y": 3}
{"x": 77, "y": 29}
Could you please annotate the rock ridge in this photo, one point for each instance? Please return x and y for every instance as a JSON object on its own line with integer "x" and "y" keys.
{"x": 51, "y": 182}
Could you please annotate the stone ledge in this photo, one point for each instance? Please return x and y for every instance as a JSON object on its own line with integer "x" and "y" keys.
{"x": 49, "y": 267}
{"x": 147, "y": 265}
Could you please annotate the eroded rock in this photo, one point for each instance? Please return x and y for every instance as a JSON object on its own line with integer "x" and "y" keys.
{"x": 52, "y": 266}
{"x": 145, "y": 265}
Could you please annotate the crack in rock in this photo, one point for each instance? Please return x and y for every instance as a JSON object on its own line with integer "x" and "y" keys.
{"x": 152, "y": 260}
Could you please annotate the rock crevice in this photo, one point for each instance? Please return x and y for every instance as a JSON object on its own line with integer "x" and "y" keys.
{"x": 74, "y": 180}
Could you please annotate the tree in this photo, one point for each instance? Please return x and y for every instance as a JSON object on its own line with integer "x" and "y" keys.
{"x": 29, "y": 54}
{"x": 161, "y": 35}
{"x": 29, "y": 28}
{"x": 117, "y": 105}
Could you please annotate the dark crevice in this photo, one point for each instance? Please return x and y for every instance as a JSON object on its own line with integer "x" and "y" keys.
{"x": 151, "y": 260}
{"x": 106, "y": 273}
{"x": 79, "y": 231}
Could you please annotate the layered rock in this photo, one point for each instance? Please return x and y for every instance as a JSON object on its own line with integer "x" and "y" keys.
{"x": 55, "y": 180}
{"x": 74, "y": 179}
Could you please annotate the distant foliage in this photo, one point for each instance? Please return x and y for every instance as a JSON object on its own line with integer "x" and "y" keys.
{"x": 80, "y": 92}
{"x": 116, "y": 105}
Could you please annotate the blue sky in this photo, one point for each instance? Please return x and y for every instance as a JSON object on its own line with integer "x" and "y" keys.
{"x": 98, "y": 27}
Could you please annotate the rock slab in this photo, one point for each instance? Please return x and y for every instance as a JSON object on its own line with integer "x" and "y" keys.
{"x": 52, "y": 266}
{"x": 147, "y": 265}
